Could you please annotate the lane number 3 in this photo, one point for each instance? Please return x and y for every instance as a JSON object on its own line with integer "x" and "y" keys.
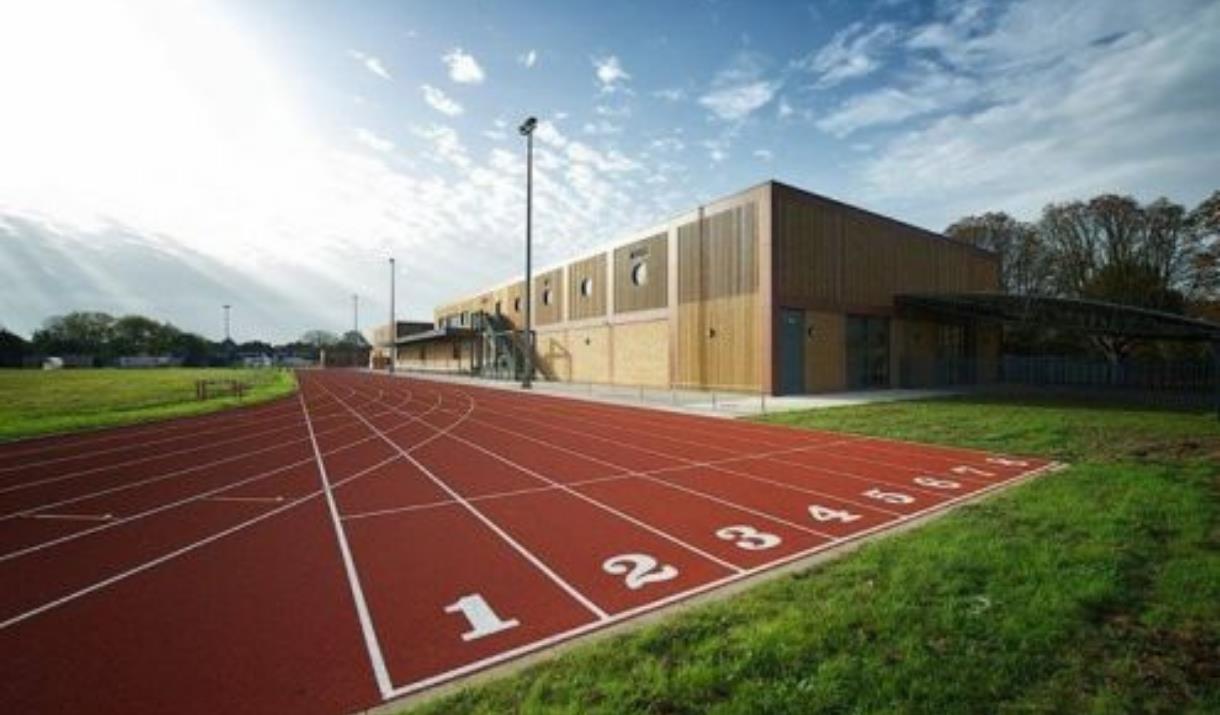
{"x": 483, "y": 621}
{"x": 639, "y": 570}
{"x": 748, "y": 538}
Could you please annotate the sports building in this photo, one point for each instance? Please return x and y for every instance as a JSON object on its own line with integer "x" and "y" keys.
{"x": 771, "y": 289}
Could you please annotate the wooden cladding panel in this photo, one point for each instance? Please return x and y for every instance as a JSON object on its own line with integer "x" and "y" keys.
{"x": 640, "y": 353}
{"x": 828, "y": 254}
{"x": 547, "y": 313}
{"x": 653, "y": 254}
{"x": 593, "y": 305}
{"x": 720, "y": 257}
{"x": 718, "y": 343}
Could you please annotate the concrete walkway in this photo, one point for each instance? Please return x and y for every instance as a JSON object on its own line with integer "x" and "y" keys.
{"x": 709, "y": 403}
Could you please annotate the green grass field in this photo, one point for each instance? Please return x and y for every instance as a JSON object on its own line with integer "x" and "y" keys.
{"x": 34, "y": 402}
{"x": 1092, "y": 590}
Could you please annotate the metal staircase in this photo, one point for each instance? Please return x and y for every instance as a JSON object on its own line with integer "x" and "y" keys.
{"x": 501, "y": 355}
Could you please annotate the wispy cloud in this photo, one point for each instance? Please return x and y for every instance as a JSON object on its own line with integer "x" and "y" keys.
{"x": 670, "y": 94}
{"x": 610, "y": 73}
{"x": 372, "y": 141}
{"x": 371, "y": 63}
{"x": 601, "y": 127}
{"x": 463, "y": 68}
{"x": 764, "y": 154}
{"x": 854, "y": 51}
{"x": 529, "y": 58}
{"x": 740, "y": 89}
{"x": 440, "y": 101}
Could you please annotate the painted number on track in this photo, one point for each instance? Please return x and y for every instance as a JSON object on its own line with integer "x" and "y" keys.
{"x": 483, "y": 621}
{"x": 639, "y": 570}
{"x": 935, "y": 483}
{"x": 749, "y": 538}
{"x": 889, "y": 497}
{"x": 966, "y": 471}
{"x": 1005, "y": 462}
{"x": 824, "y": 513}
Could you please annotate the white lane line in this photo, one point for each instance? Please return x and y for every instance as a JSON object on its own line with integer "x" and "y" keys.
{"x": 255, "y": 500}
{"x": 590, "y": 500}
{"x": 546, "y": 570}
{"x": 73, "y": 517}
{"x": 140, "y": 460}
{"x": 156, "y": 478}
{"x": 83, "y": 437}
{"x": 648, "y": 475}
{"x": 718, "y": 465}
{"x": 556, "y": 638}
{"x": 136, "y": 570}
{"x": 376, "y": 658}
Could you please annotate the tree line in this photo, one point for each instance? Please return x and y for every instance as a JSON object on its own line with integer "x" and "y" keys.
{"x": 1111, "y": 248}
{"x": 103, "y": 339}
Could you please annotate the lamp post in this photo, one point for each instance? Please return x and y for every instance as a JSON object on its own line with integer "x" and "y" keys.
{"x": 393, "y": 321}
{"x": 226, "y": 307}
{"x": 527, "y": 131}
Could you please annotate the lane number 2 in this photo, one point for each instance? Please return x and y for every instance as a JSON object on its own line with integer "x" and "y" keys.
{"x": 639, "y": 570}
{"x": 748, "y": 538}
{"x": 483, "y": 621}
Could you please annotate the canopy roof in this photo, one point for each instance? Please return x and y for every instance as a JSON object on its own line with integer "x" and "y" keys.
{"x": 1090, "y": 316}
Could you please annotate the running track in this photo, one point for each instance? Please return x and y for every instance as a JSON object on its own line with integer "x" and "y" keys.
{"x": 376, "y": 536}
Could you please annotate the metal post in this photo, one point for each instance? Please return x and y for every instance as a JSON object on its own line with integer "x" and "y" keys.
{"x": 1216, "y": 374}
{"x": 227, "y": 306}
{"x": 393, "y": 321}
{"x": 527, "y": 128}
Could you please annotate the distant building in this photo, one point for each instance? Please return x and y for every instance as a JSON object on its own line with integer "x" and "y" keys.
{"x": 771, "y": 289}
{"x": 132, "y": 361}
{"x": 379, "y": 356}
{"x": 255, "y": 360}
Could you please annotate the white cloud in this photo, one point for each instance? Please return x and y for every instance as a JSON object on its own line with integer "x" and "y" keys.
{"x": 764, "y": 154}
{"x": 371, "y": 63}
{"x": 736, "y": 103}
{"x": 440, "y": 101}
{"x": 667, "y": 144}
{"x": 601, "y": 127}
{"x": 529, "y": 59}
{"x": 888, "y": 105}
{"x": 1119, "y": 99}
{"x": 372, "y": 141}
{"x": 445, "y": 143}
{"x": 853, "y": 52}
{"x": 610, "y": 73}
{"x": 463, "y": 68}
{"x": 670, "y": 94}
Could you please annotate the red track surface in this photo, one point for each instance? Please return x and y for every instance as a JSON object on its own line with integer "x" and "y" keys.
{"x": 376, "y": 536}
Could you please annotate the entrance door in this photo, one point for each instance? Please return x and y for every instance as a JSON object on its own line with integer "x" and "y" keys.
{"x": 868, "y": 352}
{"x": 791, "y": 351}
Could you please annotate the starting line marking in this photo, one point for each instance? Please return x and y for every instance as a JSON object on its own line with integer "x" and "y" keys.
{"x": 71, "y": 517}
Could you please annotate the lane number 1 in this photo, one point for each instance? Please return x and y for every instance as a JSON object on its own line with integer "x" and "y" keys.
{"x": 483, "y": 621}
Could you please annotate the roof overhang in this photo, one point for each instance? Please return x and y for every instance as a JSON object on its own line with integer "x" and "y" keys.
{"x": 1088, "y": 316}
{"x": 436, "y": 334}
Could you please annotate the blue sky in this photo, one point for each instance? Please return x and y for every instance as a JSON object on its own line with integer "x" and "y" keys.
{"x": 169, "y": 157}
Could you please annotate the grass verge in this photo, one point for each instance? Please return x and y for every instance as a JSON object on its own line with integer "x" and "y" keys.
{"x": 1096, "y": 589}
{"x": 36, "y": 402}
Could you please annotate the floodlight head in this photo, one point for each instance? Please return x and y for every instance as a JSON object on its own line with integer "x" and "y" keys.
{"x": 527, "y": 127}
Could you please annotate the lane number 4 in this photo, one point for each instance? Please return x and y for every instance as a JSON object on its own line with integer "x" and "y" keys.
{"x": 748, "y": 538}
{"x": 639, "y": 570}
{"x": 483, "y": 621}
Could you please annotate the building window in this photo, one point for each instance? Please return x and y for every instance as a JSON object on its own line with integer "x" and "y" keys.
{"x": 586, "y": 287}
{"x": 639, "y": 274}
{"x": 546, "y": 296}
{"x": 497, "y": 307}
{"x": 517, "y": 304}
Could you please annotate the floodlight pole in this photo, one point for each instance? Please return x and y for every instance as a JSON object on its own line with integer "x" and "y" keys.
{"x": 527, "y": 129}
{"x": 393, "y": 321}
{"x": 355, "y": 313}
{"x": 226, "y": 307}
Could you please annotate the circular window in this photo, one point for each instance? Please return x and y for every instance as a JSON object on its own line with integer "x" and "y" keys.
{"x": 586, "y": 287}
{"x": 546, "y": 297}
{"x": 639, "y": 274}
{"x": 517, "y": 304}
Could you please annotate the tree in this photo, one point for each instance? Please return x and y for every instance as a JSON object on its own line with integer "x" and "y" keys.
{"x": 1023, "y": 257}
{"x": 13, "y": 349}
{"x": 80, "y": 333}
{"x": 355, "y": 339}
{"x": 320, "y": 338}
